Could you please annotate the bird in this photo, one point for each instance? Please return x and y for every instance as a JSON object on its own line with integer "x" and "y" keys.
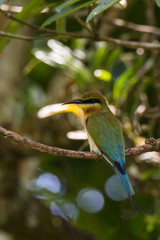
{"x": 105, "y": 135}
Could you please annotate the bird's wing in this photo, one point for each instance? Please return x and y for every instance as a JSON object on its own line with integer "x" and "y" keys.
{"x": 114, "y": 151}
{"x": 106, "y": 132}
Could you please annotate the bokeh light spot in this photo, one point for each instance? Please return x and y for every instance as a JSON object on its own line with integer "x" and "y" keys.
{"x": 49, "y": 182}
{"x": 114, "y": 189}
{"x": 65, "y": 210}
{"x": 90, "y": 200}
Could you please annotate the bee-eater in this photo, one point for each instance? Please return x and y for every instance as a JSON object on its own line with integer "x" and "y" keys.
{"x": 105, "y": 135}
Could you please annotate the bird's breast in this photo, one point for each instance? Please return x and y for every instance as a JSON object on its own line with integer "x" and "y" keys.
{"x": 93, "y": 147}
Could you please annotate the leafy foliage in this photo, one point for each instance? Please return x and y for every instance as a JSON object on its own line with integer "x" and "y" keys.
{"x": 66, "y": 9}
{"x": 102, "y": 6}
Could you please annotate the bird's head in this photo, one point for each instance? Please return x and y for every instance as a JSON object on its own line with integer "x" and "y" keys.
{"x": 90, "y": 102}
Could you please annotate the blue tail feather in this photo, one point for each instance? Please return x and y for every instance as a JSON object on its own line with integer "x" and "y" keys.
{"x": 124, "y": 177}
{"x": 127, "y": 186}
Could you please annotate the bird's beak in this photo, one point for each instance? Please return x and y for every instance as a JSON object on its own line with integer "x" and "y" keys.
{"x": 74, "y": 101}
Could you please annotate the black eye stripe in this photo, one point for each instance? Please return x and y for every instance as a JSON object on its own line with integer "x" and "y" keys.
{"x": 92, "y": 100}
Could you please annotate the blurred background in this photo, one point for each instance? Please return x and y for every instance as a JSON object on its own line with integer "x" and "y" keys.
{"x": 51, "y": 197}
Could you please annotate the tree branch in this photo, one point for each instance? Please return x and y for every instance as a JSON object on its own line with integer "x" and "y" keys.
{"x": 20, "y": 37}
{"x": 136, "y": 27}
{"x": 128, "y": 44}
{"x": 150, "y": 145}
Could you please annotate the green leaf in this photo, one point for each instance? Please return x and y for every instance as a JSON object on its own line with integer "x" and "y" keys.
{"x": 158, "y": 3}
{"x": 121, "y": 84}
{"x": 126, "y": 80}
{"x": 61, "y": 25}
{"x": 103, "y": 5}
{"x": 99, "y": 56}
{"x": 29, "y": 10}
{"x": 73, "y": 8}
{"x": 65, "y": 4}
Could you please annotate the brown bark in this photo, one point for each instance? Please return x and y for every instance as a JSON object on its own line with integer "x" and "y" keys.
{"x": 150, "y": 145}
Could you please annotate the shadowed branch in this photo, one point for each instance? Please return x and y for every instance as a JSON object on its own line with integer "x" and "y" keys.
{"x": 151, "y": 144}
{"x": 72, "y": 35}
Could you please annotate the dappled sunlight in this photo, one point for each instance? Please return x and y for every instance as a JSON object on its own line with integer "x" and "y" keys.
{"x": 77, "y": 135}
{"x": 44, "y": 57}
{"x": 139, "y": 140}
{"x": 141, "y": 109}
{"x": 13, "y": 8}
{"x": 123, "y": 3}
{"x": 59, "y": 48}
{"x": 52, "y": 109}
{"x": 79, "y": 54}
{"x": 103, "y": 75}
{"x": 150, "y": 157}
{"x": 58, "y": 54}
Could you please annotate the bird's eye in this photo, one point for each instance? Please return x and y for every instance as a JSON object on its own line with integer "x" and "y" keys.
{"x": 92, "y": 101}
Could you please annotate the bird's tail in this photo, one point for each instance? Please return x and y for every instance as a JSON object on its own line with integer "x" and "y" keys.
{"x": 127, "y": 187}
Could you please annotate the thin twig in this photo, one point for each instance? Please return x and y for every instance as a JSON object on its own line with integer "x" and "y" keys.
{"x": 151, "y": 144}
{"x": 16, "y": 36}
{"x": 136, "y": 27}
{"x": 128, "y": 44}
{"x": 118, "y": 22}
{"x": 69, "y": 35}
{"x": 83, "y": 24}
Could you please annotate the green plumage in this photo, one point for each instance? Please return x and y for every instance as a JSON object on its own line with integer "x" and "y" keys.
{"x": 105, "y": 135}
{"x": 105, "y": 130}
